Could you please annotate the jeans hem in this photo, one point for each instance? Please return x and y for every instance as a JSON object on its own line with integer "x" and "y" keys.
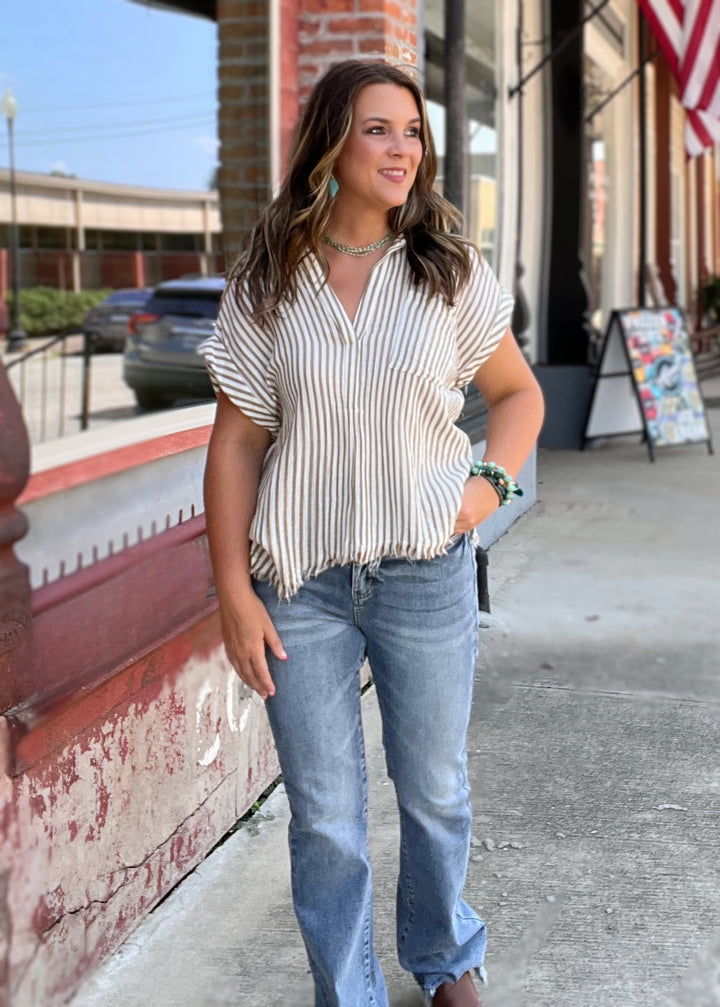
{"x": 478, "y": 971}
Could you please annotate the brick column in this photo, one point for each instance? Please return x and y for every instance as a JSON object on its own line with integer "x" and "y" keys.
{"x": 289, "y": 81}
{"x": 244, "y": 174}
{"x": 331, "y": 30}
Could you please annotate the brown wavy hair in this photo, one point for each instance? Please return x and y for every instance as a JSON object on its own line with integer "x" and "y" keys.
{"x": 293, "y": 224}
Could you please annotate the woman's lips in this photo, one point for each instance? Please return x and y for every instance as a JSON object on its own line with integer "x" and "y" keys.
{"x": 394, "y": 175}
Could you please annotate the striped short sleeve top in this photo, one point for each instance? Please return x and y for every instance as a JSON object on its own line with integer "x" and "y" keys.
{"x": 366, "y": 459}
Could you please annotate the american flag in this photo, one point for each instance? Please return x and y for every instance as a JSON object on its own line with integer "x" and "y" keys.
{"x": 689, "y": 35}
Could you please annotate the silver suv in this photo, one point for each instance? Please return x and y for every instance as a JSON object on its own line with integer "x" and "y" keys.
{"x": 161, "y": 363}
{"x": 106, "y": 323}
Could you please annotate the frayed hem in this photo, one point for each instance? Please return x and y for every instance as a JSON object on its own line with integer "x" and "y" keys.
{"x": 264, "y": 567}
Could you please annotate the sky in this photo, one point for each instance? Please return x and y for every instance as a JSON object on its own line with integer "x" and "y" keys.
{"x": 110, "y": 90}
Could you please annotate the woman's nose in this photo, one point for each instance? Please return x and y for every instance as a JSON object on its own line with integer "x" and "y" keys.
{"x": 398, "y": 143}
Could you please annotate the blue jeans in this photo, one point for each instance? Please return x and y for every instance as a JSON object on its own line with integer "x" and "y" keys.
{"x": 416, "y": 622}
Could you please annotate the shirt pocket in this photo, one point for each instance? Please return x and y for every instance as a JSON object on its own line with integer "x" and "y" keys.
{"x": 424, "y": 343}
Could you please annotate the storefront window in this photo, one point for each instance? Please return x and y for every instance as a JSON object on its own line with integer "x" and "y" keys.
{"x": 119, "y": 241}
{"x": 481, "y": 135}
{"x": 51, "y": 237}
{"x": 181, "y": 242}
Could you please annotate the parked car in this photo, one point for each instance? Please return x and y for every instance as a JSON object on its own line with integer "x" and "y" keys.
{"x": 107, "y": 321}
{"x": 161, "y": 363}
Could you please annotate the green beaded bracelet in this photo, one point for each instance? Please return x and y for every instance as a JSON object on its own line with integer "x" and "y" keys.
{"x": 504, "y": 485}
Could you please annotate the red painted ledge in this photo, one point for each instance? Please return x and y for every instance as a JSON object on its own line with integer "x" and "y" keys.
{"x": 162, "y": 586}
{"x": 107, "y": 463}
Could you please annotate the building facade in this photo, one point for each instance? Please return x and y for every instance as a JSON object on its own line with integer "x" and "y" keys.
{"x": 82, "y": 235}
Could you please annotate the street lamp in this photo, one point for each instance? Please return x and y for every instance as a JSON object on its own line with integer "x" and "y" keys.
{"x": 17, "y": 337}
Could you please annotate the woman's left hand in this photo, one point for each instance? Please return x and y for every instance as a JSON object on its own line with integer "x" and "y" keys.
{"x": 479, "y": 500}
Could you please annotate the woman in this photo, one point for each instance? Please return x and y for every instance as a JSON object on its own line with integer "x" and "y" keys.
{"x": 340, "y": 507}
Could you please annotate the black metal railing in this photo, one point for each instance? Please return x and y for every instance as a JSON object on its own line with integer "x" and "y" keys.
{"x": 43, "y": 386}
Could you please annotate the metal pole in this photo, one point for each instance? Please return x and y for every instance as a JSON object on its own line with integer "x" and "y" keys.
{"x": 455, "y": 126}
{"x": 520, "y": 320}
{"x": 642, "y": 127}
{"x": 17, "y": 337}
{"x": 87, "y": 360}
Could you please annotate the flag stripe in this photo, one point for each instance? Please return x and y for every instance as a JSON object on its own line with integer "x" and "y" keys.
{"x": 696, "y": 69}
{"x": 689, "y": 35}
{"x": 666, "y": 28}
{"x": 707, "y": 66}
{"x": 701, "y": 131}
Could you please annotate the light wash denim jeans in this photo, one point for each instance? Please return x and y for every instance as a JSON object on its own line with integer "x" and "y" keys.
{"x": 416, "y": 622}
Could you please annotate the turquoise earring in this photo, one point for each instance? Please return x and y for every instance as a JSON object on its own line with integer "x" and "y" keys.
{"x": 333, "y": 187}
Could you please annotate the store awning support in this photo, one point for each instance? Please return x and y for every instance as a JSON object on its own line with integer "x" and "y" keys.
{"x": 566, "y": 40}
{"x": 623, "y": 84}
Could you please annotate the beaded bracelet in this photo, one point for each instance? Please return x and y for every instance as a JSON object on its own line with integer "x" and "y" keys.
{"x": 505, "y": 486}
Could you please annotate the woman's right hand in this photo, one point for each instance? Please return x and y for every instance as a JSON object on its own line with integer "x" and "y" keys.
{"x": 247, "y": 629}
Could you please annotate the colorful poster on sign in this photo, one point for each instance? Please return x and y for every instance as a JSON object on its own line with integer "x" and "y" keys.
{"x": 664, "y": 374}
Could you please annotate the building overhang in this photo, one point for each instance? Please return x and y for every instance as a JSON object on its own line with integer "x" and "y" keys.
{"x": 198, "y": 8}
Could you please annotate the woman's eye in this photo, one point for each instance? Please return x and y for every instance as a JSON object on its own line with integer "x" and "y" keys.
{"x": 412, "y": 131}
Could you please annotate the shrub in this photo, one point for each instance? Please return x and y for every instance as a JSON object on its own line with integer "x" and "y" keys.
{"x": 45, "y": 311}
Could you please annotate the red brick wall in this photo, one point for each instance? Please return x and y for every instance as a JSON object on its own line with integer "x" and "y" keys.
{"x": 118, "y": 269}
{"x": 54, "y": 269}
{"x": 174, "y": 264}
{"x": 244, "y": 175}
{"x": 331, "y": 30}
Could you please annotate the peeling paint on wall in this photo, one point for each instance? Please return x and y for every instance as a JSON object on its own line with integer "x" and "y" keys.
{"x": 93, "y": 835}
{"x": 232, "y": 701}
{"x": 210, "y": 753}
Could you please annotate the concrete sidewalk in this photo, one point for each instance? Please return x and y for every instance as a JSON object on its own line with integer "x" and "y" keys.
{"x": 594, "y": 756}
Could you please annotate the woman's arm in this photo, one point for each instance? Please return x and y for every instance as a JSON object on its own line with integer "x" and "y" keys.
{"x": 232, "y": 476}
{"x": 516, "y": 411}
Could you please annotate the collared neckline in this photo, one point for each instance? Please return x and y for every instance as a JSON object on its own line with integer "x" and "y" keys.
{"x": 353, "y": 332}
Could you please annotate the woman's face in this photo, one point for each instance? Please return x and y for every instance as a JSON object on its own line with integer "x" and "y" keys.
{"x": 377, "y": 165}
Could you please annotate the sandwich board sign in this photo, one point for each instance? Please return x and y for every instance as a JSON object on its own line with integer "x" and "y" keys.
{"x": 647, "y": 383}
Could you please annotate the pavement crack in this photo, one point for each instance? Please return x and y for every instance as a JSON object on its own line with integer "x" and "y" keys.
{"x": 660, "y": 697}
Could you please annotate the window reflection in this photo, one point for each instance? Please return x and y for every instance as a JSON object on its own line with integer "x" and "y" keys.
{"x": 481, "y": 135}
